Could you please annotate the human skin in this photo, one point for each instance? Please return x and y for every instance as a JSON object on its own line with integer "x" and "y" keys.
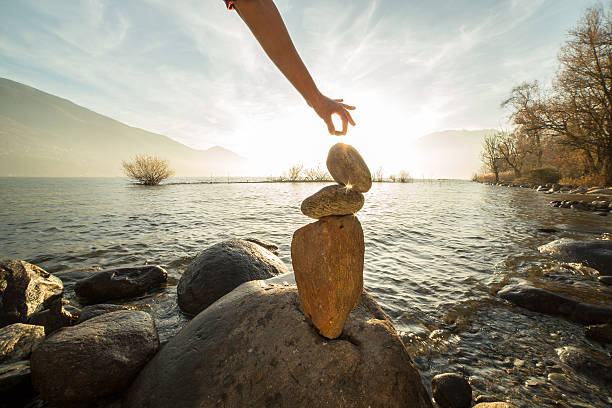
{"x": 266, "y": 24}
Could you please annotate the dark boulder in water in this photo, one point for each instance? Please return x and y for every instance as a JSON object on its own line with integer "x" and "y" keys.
{"x": 451, "y": 390}
{"x": 544, "y": 301}
{"x": 596, "y": 254}
{"x": 221, "y": 268}
{"x": 24, "y": 290}
{"x": 95, "y": 359}
{"x": 255, "y": 348}
{"x": 89, "y": 312}
{"x": 121, "y": 283}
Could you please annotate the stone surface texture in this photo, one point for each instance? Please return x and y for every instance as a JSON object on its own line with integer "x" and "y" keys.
{"x": 332, "y": 200}
{"x": 221, "y": 268}
{"x": 543, "y": 301}
{"x": 493, "y": 405}
{"x": 347, "y": 167}
{"x": 89, "y": 312}
{"x": 596, "y": 254}
{"x": 15, "y": 382}
{"x": 95, "y": 359}
{"x": 24, "y": 289}
{"x": 18, "y": 340}
{"x": 451, "y": 390}
{"x": 121, "y": 283}
{"x": 255, "y": 348}
{"x": 595, "y": 365}
{"x": 601, "y": 333}
{"x": 327, "y": 258}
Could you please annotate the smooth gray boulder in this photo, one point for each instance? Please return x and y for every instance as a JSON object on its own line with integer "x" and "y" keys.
{"x": 24, "y": 290}
{"x": 255, "y": 348}
{"x": 219, "y": 269}
{"x": 95, "y": 359}
{"x": 544, "y": 301}
{"x": 18, "y": 340}
{"x": 597, "y": 254}
{"x": 451, "y": 390}
{"x": 332, "y": 200}
{"x": 121, "y": 283}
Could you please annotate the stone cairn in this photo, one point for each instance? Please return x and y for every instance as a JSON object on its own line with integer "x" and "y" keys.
{"x": 327, "y": 255}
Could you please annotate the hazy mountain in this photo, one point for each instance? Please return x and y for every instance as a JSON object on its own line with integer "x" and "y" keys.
{"x": 44, "y": 135}
{"x": 449, "y": 154}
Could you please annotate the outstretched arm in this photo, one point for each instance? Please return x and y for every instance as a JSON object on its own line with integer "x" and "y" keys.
{"x": 266, "y": 24}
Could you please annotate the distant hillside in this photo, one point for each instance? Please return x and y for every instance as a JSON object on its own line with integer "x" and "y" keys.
{"x": 44, "y": 135}
{"x": 449, "y": 154}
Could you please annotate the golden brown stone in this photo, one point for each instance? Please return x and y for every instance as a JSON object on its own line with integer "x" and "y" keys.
{"x": 332, "y": 200}
{"x": 347, "y": 167}
{"x": 327, "y": 258}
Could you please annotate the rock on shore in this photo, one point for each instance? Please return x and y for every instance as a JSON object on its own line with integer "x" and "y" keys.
{"x": 596, "y": 254}
{"x": 120, "y": 283}
{"x": 24, "y": 290}
{"x": 18, "y": 340}
{"x": 544, "y": 301}
{"x": 94, "y": 359}
{"x": 451, "y": 390}
{"x": 221, "y": 268}
{"x": 255, "y": 348}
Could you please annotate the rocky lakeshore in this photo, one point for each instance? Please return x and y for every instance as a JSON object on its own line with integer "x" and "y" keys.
{"x": 595, "y": 199}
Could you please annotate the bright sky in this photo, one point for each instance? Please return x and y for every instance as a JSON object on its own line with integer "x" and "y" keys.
{"x": 191, "y": 70}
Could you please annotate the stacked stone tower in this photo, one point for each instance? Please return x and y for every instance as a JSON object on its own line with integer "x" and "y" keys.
{"x": 327, "y": 255}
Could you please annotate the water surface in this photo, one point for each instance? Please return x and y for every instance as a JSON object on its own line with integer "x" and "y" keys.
{"x": 436, "y": 253}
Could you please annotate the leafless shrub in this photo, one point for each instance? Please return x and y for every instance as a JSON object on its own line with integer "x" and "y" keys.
{"x": 317, "y": 174}
{"x": 147, "y": 170}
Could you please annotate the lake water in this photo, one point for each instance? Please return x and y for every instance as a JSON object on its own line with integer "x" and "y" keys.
{"x": 436, "y": 253}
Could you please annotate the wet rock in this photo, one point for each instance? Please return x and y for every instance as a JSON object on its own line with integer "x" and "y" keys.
{"x": 15, "y": 382}
{"x": 332, "y": 200}
{"x": 92, "y": 311}
{"x": 601, "y": 333}
{"x": 595, "y": 365}
{"x": 327, "y": 258}
{"x": 347, "y": 167}
{"x": 71, "y": 277}
{"x": 18, "y": 340}
{"x": 486, "y": 398}
{"x": 221, "y": 268}
{"x": 267, "y": 245}
{"x": 494, "y": 405}
{"x": 54, "y": 317}
{"x": 255, "y": 348}
{"x": 544, "y": 301}
{"x": 107, "y": 351}
{"x": 606, "y": 280}
{"x": 596, "y": 254}
{"x": 451, "y": 390}
{"x": 598, "y": 190}
{"x": 24, "y": 289}
{"x": 547, "y": 230}
{"x": 121, "y": 283}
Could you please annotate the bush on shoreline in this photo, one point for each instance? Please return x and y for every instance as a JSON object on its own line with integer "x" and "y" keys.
{"x": 147, "y": 170}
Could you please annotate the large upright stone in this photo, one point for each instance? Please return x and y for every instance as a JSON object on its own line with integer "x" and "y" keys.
{"x": 332, "y": 200}
{"x": 255, "y": 348}
{"x": 327, "y": 258}
{"x": 24, "y": 290}
{"x": 347, "y": 167}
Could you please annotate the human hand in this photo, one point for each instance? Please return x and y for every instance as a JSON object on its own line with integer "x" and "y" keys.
{"x": 326, "y": 107}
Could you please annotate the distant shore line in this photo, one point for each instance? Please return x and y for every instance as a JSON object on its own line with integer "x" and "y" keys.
{"x": 300, "y": 181}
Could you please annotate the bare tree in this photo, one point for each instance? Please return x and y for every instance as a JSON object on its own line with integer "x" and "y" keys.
{"x": 294, "y": 173}
{"x": 510, "y": 149}
{"x": 378, "y": 175}
{"x": 147, "y": 170}
{"x": 404, "y": 177}
{"x": 491, "y": 159}
{"x": 317, "y": 174}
